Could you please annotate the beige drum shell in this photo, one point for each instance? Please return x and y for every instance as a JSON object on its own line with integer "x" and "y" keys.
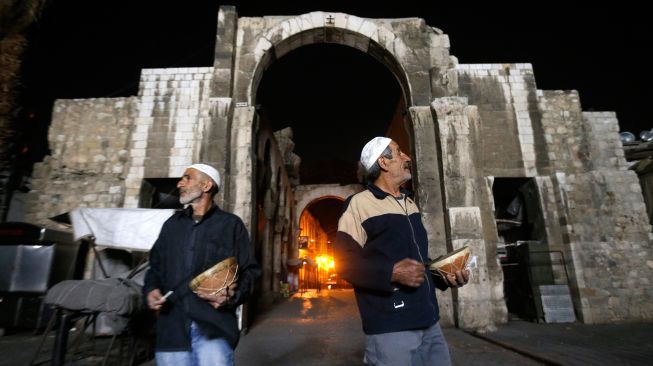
{"x": 216, "y": 278}
{"x": 450, "y": 264}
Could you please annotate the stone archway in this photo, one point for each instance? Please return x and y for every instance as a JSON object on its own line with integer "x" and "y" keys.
{"x": 305, "y": 195}
{"x": 366, "y": 35}
{"x": 262, "y": 41}
{"x": 318, "y": 211}
{"x": 408, "y": 48}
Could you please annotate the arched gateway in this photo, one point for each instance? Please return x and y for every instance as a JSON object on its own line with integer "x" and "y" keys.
{"x": 499, "y": 163}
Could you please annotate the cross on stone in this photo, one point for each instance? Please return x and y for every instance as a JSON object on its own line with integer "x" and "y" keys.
{"x": 330, "y": 20}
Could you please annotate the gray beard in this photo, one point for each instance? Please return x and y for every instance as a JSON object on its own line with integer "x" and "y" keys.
{"x": 190, "y": 197}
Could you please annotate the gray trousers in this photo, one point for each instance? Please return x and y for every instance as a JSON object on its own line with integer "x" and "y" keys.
{"x": 412, "y": 347}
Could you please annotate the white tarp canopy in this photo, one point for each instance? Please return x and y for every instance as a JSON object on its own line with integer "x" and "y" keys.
{"x": 120, "y": 228}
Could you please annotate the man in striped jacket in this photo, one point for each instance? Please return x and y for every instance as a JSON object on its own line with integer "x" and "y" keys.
{"x": 381, "y": 249}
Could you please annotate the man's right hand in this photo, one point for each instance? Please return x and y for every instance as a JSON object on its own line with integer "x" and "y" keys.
{"x": 155, "y": 300}
{"x": 408, "y": 272}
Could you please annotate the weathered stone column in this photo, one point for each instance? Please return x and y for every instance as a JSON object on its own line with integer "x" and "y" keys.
{"x": 428, "y": 183}
{"x": 225, "y": 43}
{"x": 266, "y": 262}
{"x": 475, "y": 303}
{"x": 470, "y": 214}
{"x": 215, "y": 147}
{"x": 276, "y": 263}
{"x": 241, "y": 191}
{"x": 429, "y": 178}
{"x": 215, "y": 143}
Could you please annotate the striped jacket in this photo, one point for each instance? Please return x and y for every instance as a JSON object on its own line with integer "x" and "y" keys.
{"x": 375, "y": 231}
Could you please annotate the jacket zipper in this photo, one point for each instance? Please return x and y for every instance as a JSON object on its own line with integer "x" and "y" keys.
{"x": 412, "y": 231}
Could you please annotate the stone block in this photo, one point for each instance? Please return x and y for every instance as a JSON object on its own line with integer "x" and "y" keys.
{"x": 465, "y": 222}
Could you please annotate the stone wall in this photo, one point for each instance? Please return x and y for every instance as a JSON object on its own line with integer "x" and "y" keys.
{"x": 591, "y": 204}
{"x": 610, "y": 244}
{"x": 565, "y": 134}
{"x": 506, "y": 99}
{"x": 90, "y": 144}
{"x": 173, "y": 117}
{"x": 605, "y": 148}
{"x": 605, "y": 232}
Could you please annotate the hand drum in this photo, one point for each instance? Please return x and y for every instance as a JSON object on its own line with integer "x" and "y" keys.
{"x": 216, "y": 278}
{"x": 450, "y": 263}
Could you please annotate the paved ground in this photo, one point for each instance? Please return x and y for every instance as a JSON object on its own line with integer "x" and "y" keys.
{"x": 306, "y": 330}
{"x": 579, "y": 344}
{"x": 324, "y": 329}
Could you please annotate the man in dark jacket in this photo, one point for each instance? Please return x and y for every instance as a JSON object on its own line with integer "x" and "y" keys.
{"x": 197, "y": 329}
{"x": 381, "y": 249}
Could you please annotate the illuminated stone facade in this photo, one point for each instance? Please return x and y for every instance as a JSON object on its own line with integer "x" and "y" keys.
{"x": 472, "y": 127}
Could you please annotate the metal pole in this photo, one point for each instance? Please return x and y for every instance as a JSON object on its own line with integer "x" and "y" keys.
{"x": 61, "y": 340}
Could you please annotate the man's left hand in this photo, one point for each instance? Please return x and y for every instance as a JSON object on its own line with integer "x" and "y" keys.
{"x": 460, "y": 279}
{"x": 221, "y": 297}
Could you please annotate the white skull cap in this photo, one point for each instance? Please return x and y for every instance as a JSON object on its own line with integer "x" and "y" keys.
{"x": 372, "y": 150}
{"x": 208, "y": 170}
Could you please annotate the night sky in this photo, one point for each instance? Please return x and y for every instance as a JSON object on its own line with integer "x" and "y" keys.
{"x": 90, "y": 49}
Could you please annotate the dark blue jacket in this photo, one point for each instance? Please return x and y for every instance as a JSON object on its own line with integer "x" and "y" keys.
{"x": 185, "y": 249}
{"x": 376, "y": 231}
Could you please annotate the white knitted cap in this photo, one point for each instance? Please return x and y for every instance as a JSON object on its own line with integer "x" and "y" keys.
{"x": 208, "y": 170}
{"x": 372, "y": 150}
